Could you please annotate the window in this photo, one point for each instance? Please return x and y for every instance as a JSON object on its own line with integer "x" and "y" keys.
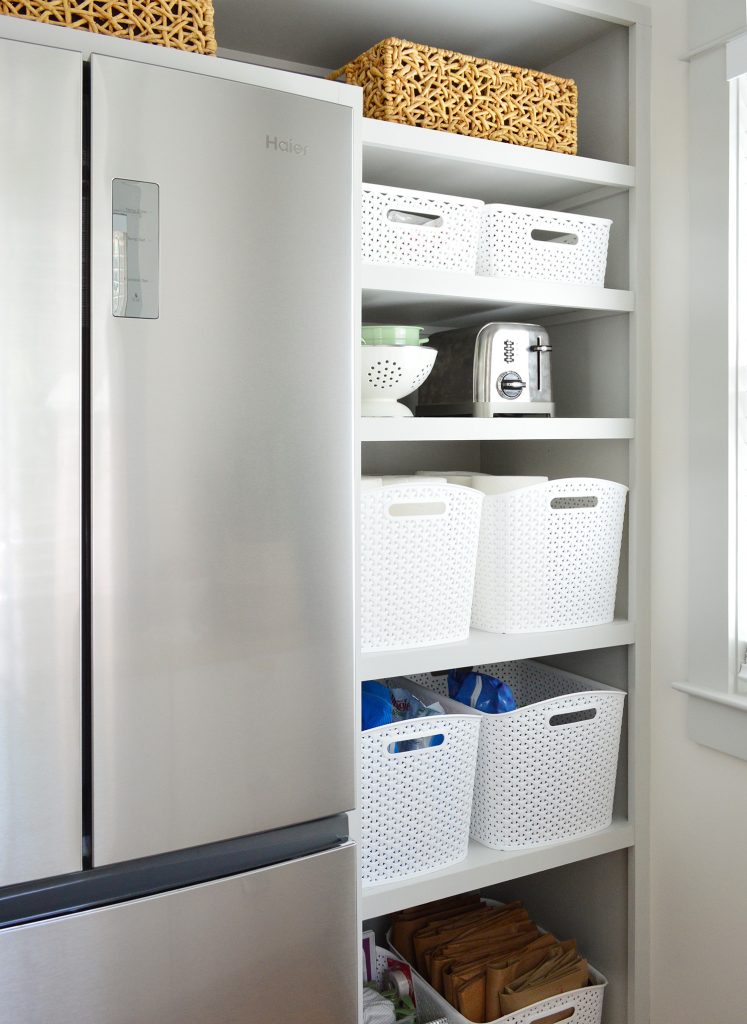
{"x": 717, "y": 684}
{"x": 738, "y": 288}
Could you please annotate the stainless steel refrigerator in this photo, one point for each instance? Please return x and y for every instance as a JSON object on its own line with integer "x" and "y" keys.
{"x": 176, "y": 541}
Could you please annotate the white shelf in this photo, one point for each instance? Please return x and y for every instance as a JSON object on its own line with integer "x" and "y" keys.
{"x": 433, "y": 298}
{"x": 500, "y": 428}
{"x": 482, "y": 648}
{"x": 496, "y": 172}
{"x": 483, "y": 867}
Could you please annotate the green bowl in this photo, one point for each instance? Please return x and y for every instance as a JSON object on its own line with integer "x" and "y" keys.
{"x": 391, "y": 334}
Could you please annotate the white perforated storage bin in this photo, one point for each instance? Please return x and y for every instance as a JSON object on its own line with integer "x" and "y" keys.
{"x": 545, "y": 772}
{"x": 383, "y": 956}
{"x": 418, "y": 552}
{"x": 549, "y": 556}
{"x": 515, "y": 242}
{"x": 581, "y": 1006}
{"x": 416, "y": 804}
{"x": 404, "y": 228}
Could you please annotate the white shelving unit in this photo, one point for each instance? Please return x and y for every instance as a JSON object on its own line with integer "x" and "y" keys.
{"x": 595, "y": 888}
{"x": 485, "y": 867}
{"x": 438, "y": 298}
{"x": 533, "y": 428}
{"x": 406, "y": 157}
{"x": 482, "y": 648}
{"x": 598, "y": 337}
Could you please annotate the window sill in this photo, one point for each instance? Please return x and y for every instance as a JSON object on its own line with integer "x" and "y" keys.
{"x": 717, "y": 720}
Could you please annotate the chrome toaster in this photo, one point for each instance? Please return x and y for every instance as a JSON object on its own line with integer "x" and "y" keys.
{"x": 498, "y": 369}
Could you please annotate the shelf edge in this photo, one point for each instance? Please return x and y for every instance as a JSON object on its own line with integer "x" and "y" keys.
{"x": 441, "y": 284}
{"x": 483, "y": 867}
{"x": 431, "y": 144}
{"x": 527, "y": 428}
{"x": 483, "y": 648}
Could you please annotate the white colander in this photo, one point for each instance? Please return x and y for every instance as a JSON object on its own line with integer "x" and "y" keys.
{"x": 389, "y": 372}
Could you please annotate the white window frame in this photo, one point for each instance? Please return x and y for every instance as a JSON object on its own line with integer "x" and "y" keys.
{"x": 738, "y": 287}
{"x": 717, "y": 686}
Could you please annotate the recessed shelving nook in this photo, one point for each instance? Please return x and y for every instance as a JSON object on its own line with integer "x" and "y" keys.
{"x": 599, "y": 339}
{"x": 595, "y": 888}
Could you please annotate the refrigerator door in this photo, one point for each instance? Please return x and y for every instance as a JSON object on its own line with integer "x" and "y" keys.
{"x": 222, "y": 459}
{"x": 278, "y": 944}
{"x": 40, "y": 472}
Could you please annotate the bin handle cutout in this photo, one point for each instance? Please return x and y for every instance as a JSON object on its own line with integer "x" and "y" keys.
{"x": 572, "y": 717}
{"x": 437, "y": 739}
{"x": 580, "y": 501}
{"x": 417, "y": 508}
{"x": 555, "y": 1017}
{"x": 415, "y": 220}
{"x": 556, "y": 237}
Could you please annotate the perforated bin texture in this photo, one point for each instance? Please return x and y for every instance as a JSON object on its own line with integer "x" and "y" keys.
{"x": 416, "y": 804}
{"x": 542, "y": 245}
{"x": 418, "y": 547}
{"x": 445, "y": 238}
{"x": 545, "y": 772}
{"x": 583, "y": 1005}
{"x": 549, "y": 556}
{"x": 586, "y": 1004}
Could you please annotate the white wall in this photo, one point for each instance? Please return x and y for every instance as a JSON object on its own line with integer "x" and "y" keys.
{"x": 710, "y": 20}
{"x": 698, "y": 796}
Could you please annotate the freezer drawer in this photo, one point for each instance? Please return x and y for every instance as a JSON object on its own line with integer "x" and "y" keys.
{"x": 40, "y": 462}
{"x": 275, "y": 945}
{"x": 222, "y": 459}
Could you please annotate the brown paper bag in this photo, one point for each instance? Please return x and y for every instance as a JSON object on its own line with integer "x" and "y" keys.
{"x": 556, "y": 960}
{"x": 470, "y": 997}
{"x": 407, "y": 922}
{"x": 502, "y": 972}
{"x": 575, "y": 977}
{"x": 454, "y": 970}
{"x": 470, "y": 924}
{"x": 480, "y": 938}
{"x": 427, "y": 939}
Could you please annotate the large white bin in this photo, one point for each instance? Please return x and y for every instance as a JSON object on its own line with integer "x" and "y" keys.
{"x": 581, "y": 1006}
{"x": 418, "y": 554}
{"x": 545, "y": 772}
{"x": 416, "y": 804}
{"x": 549, "y": 556}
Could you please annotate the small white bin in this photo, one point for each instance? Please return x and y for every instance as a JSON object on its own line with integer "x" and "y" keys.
{"x": 383, "y": 956}
{"x": 416, "y": 804}
{"x": 549, "y": 556}
{"x": 581, "y": 1006}
{"x": 542, "y": 245}
{"x": 418, "y": 555}
{"x": 404, "y": 228}
{"x": 545, "y": 772}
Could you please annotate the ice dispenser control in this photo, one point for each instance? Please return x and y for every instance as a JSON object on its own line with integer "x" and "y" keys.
{"x": 135, "y": 249}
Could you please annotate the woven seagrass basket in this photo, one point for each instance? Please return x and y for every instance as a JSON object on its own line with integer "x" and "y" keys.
{"x": 409, "y": 83}
{"x": 181, "y": 24}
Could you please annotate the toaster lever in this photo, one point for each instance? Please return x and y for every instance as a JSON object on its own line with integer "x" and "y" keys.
{"x": 540, "y": 348}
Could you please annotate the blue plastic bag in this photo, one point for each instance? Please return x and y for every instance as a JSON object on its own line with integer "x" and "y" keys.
{"x": 486, "y": 693}
{"x": 381, "y": 705}
{"x": 376, "y": 704}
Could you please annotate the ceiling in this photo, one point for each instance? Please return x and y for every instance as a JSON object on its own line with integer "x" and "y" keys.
{"x": 328, "y": 33}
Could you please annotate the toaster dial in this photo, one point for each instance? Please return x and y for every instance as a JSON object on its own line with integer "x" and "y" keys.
{"x": 510, "y": 384}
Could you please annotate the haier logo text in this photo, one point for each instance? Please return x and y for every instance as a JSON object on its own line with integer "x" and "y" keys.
{"x": 285, "y": 145}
